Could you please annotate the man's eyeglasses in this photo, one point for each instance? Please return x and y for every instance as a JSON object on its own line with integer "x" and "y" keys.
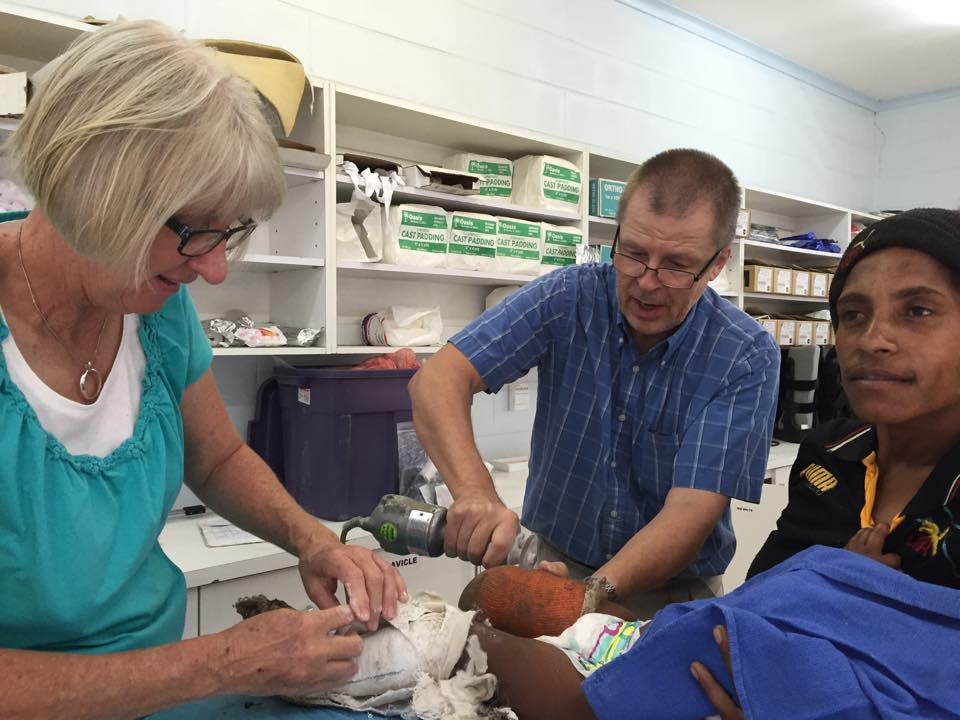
{"x": 195, "y": 242}
{"x": 668, "y": 277}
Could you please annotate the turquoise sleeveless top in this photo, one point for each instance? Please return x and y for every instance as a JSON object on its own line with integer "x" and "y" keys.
{"x": 80, "y": 566}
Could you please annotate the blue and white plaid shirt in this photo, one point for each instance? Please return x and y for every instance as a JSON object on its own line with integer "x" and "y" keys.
{"x": 615, "y": 430}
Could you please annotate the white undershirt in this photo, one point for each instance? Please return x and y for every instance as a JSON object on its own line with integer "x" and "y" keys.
{"x": 96, "y": 429}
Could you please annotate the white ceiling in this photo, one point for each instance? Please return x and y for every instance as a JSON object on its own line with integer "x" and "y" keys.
{"x": 882, "y": 49}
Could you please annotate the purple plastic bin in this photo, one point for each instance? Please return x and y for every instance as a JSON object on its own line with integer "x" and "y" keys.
{"x": 339, "y": 436}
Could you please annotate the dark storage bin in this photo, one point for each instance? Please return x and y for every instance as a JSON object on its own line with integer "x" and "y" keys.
{"x": 335, "y": 445}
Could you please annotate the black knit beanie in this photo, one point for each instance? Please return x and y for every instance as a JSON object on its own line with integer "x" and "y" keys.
{"x": 933, "y": 231}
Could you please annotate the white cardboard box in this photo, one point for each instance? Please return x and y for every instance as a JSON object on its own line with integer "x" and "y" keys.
{"x": 783, "y": 281}
{"x": 805, "y": 332}
{"x": 818, "y": 284}
{"x": 758, "y": 278}
{"x": 786, "y": 332}
{"x": 801, "y": 283}
{"x": 430, "y": 177}
{"x": 13, "y": 94}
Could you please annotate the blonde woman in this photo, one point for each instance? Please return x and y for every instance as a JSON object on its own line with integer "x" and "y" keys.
{"x": 149, "y": 163}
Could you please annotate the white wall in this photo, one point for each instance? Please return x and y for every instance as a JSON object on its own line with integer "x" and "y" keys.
{"x": 920, "y": 156}
{"x": 593, "y": 71}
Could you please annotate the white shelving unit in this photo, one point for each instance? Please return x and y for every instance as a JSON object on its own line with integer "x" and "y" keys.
{"x": 372, "y": 124}
{"x": 469, "y": 203}
{"x": 373, "y": 271}
{"x": 368, "y": 350}
{"x": 291, "y": 273}
{"x": 247, "y": 352}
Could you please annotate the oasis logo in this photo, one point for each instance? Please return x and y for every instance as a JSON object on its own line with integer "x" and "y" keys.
{"x": 818, "y": 479}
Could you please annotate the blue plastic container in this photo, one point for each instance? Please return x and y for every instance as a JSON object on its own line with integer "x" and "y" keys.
{"x": 335, "y": 445}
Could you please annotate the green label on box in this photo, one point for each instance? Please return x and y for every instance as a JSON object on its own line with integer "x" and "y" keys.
{"x": 424, "y": 220}
{"x": 557, "y": 237}
{"x": 472, "y": 249}
{"x": 477, "y": 225}
{"x": 422, "y": 241}
{"x": 473, "y": 236}
{"x": 558, "y": 256}
{"x": 484, "y": 167}
{"x": 559, "y": 172}
{"x": 519, "y": 247}
{"x": 560, "y": 183}
{"x": 522, "y": 229}
{"x": 496, "y": 179}
{"x": 490, "y": 186}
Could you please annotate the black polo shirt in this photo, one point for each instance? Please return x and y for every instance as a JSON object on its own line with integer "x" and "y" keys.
{"x": 827, "y": 496}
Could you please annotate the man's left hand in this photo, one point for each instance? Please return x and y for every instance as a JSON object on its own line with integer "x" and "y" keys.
{"x": 372, "y": 585}
{"x": 725, "y": 705}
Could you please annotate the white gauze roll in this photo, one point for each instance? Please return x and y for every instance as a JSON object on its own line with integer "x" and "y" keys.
{"x": 473, "y": 241}
{"x": 547, "y": 182}
{"x": 518, "y": 246}
{"x": 418, "y": 236}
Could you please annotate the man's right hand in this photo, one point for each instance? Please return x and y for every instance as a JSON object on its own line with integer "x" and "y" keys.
{"x": 480, "y": 529}
{"x": 288, "y": 652}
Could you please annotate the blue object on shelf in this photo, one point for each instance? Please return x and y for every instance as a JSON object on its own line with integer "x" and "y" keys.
{"x": 812, "y": 242}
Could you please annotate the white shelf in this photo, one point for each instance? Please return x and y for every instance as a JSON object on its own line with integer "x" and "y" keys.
{"x": 788, "y": 205}
{"x": 865, "y": 218}
{"x": 771, "y": 297}
{"x": 258, "y": 262}
{"x": 266, "y": 352}
{"x": 301, "y": 176}
{"x": 383, "y": 350}
{"x": 601, "y": 230}
{"x": 470, "y": 203}
{"x": 768, "y": 252}
{"x": 401, "y": 272}
{"x": 602, "y": 221}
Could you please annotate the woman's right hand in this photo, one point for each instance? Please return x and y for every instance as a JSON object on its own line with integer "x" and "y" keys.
{"x": 288, "y": 652}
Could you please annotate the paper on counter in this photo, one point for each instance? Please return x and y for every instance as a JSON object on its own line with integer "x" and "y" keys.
{"x": 220, "y": 533}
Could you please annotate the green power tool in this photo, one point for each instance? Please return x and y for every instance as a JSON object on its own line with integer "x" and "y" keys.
{"x": 403, "y": 526}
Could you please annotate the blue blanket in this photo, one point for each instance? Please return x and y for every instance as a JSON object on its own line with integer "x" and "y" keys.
{"x": 826, "y": 634}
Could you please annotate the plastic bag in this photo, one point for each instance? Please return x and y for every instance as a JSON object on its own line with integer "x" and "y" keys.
{"x": 359, "y": 229}
{"x": 402, "y": 326}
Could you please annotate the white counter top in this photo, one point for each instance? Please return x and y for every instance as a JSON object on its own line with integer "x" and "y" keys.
{"x": 782, "y": 455}
{"x": 202, "y": 565}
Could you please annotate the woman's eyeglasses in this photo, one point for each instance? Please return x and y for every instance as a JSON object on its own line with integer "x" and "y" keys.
{"x": 195, "y": 242}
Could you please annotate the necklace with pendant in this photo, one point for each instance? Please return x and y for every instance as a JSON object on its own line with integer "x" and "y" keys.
{"x": 91, "y": 382}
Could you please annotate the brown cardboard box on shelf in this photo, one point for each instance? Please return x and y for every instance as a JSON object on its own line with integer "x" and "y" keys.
{"x": 757, "y": 278}
{"x": 821, "y": 332}
{"x": 767, "y": 323}
{"x": 819, "y": 284}
{"x": 783, "y": 281}
{"x": 743, "y": 224}
{"x": 801, "y": 282}
{"x": 438, "y": 179}
{"x": 786, "y": 332}
{"x": 805, "y": 332}
{"x": 14, "y": 92}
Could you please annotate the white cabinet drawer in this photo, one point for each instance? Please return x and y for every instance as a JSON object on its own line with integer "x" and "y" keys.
{"x": 445, "y": 576}
{"x": 191, "y": 624}
{"x": 752, "y": 524}
{"x": 217, "y": 599}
